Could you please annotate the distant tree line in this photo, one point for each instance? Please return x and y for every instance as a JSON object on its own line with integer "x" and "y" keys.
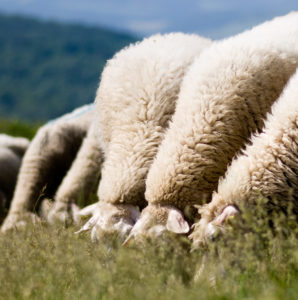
{"x": 47, "y": 68}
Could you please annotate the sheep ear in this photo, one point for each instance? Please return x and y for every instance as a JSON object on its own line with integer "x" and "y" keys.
{"x": 176, "y": 222}
{"x": 229, "y": 212}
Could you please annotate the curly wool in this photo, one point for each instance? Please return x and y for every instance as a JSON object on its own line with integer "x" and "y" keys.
{"x": 268, "y": 166}
{"x": 224, "y": 98}
{"x": 135, "y": 100}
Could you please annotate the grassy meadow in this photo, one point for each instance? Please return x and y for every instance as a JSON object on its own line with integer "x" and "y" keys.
{"x": 259, "y": 260}
{"x": 56, "y": 67}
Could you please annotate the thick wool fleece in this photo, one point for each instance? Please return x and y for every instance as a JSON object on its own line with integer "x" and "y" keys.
{"x": 268, "y": 167}
{"x": 224, "y": 98}
{"x": 135, "y": 100}
{"x": 47, "y": 160}
{"x": 11, "y": 152}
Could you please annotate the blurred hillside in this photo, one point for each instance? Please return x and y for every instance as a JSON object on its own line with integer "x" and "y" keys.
{"x": 47, "y": 69}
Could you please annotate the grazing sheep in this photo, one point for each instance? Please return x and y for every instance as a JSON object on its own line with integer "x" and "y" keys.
{"x": 223, "y": 99}
{"x": 135, "y": 100}
{"x": 46, "y": 161}
{"x": 269, "y": 166}
{"x": 11, "y": 152}
{"x": 81, "y": 179}
{"x": 17, "y": 144}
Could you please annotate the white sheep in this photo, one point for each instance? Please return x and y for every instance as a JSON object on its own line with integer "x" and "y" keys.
{"x": 224, "y": 98}
{"x": 81, "y": 179}
{"x": 46, "y": 162}
{"x": 135, "y": 101}
{"x": 17, "y": 144}
{"x": 268, "y": 167}
{"x": 12, "y": 150}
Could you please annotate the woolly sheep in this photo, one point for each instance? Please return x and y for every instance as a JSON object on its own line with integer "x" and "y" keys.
{"x": 269, "y": 166}
{"x": 135, "y": 100}
{"x": 46, "y": 161}
{"x": 11, "y": 152}
{"x": 17, "y": 144}
{"x": 224, "y": 98}
{"x": 81, "y": 179}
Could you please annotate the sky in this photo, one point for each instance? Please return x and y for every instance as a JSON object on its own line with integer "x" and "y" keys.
{"x": 213, "y": 18}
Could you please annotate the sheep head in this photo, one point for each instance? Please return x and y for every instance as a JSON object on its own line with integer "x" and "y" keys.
{"x": 109, "y": 219}
{"x": 155, "y": 220}
{"x": 208, "y": 230}
{"x": 60, "y": 212}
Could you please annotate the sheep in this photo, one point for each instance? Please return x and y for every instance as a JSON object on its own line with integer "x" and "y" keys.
{"x": 17, "y": 144}
{"x": 11, "y": 152}
{"x": 45, "y": 163}
{"x": 268, "y": 167}
{"x": 224, "y": 97}
{"x": 134, "y": 102}
{"x": 81, "y": 180}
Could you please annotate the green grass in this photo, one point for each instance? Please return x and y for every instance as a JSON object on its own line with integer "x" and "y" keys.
{"x": 17, "y": 128}
{"x": 258, "y": 261}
